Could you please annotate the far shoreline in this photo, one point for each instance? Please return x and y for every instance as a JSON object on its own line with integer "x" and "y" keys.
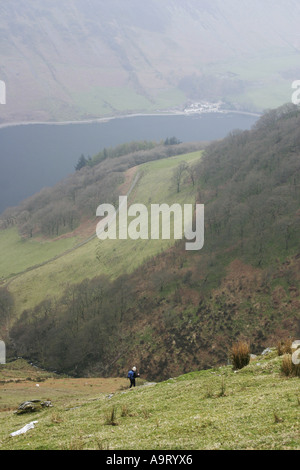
{"x": 110, "y": 118}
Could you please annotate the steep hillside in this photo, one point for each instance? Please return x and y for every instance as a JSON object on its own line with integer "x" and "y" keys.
{"x": 57, "y": 245}
{"x": 180, "y": 310}
{"x": 80, "y": 60}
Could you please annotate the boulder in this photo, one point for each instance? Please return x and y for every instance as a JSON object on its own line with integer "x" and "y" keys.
{"x": 266, "y": 351}
{"x": 32, "y": 406}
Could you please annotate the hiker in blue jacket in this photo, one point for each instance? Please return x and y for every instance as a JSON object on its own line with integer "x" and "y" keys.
{"x": 132, "y": 374}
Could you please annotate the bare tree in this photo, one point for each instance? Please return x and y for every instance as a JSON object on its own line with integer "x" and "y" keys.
{"x": 178, "y": 174}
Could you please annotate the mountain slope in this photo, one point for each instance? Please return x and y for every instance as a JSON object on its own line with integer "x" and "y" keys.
{"x": 181, "y": 310}
{"x": 50, "y": 261}
{"x": 63, "y": 60}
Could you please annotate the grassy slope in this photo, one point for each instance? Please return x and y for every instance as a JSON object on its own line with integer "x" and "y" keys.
{"x": 143, "y": 76}
{"x": 18, "y": 254}
{"x": 111, "y": 257}
{"x": 257, "y": 408}
{"x": 267, "y": 78}
{"x": 108, "y": 100}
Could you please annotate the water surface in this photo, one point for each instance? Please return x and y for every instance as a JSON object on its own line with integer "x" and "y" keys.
{"x": 33, "y": 156}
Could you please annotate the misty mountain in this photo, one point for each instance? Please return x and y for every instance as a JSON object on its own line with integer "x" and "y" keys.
{"x": 82, "y": 59}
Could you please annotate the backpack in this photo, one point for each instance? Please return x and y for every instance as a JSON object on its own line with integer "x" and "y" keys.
{"x": 130, "y": 374}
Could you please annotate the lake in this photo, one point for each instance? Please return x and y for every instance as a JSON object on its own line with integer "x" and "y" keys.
{"x": 33, "y": 156}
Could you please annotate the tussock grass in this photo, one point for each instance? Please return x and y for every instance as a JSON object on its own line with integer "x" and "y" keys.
{"x": 284, "y": 347}
{"x": 111, "y": 417}
{"x": 288, "y": 368}
{"x": 240, "y": 354}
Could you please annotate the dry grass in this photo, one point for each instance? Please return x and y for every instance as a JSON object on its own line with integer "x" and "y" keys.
{"x": 288, "y": 368}
{"x": 240, "y": 354}
{"x": 111, "y": 417}
{"x": 284, "y": 347}
{"x": 18, "y": 385}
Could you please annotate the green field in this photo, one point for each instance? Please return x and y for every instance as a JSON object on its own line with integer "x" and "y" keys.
{"x": 217, "y": 409}
{"x": 261, "y": 67}
{"x": 101, "y": 101}
{"x": 18, "y": 254}
{"x": 109, "y": 257}
{"x": 267, "y": 78}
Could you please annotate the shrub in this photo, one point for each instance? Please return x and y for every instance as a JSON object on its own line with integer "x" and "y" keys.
{"x": 240, "y": 354}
